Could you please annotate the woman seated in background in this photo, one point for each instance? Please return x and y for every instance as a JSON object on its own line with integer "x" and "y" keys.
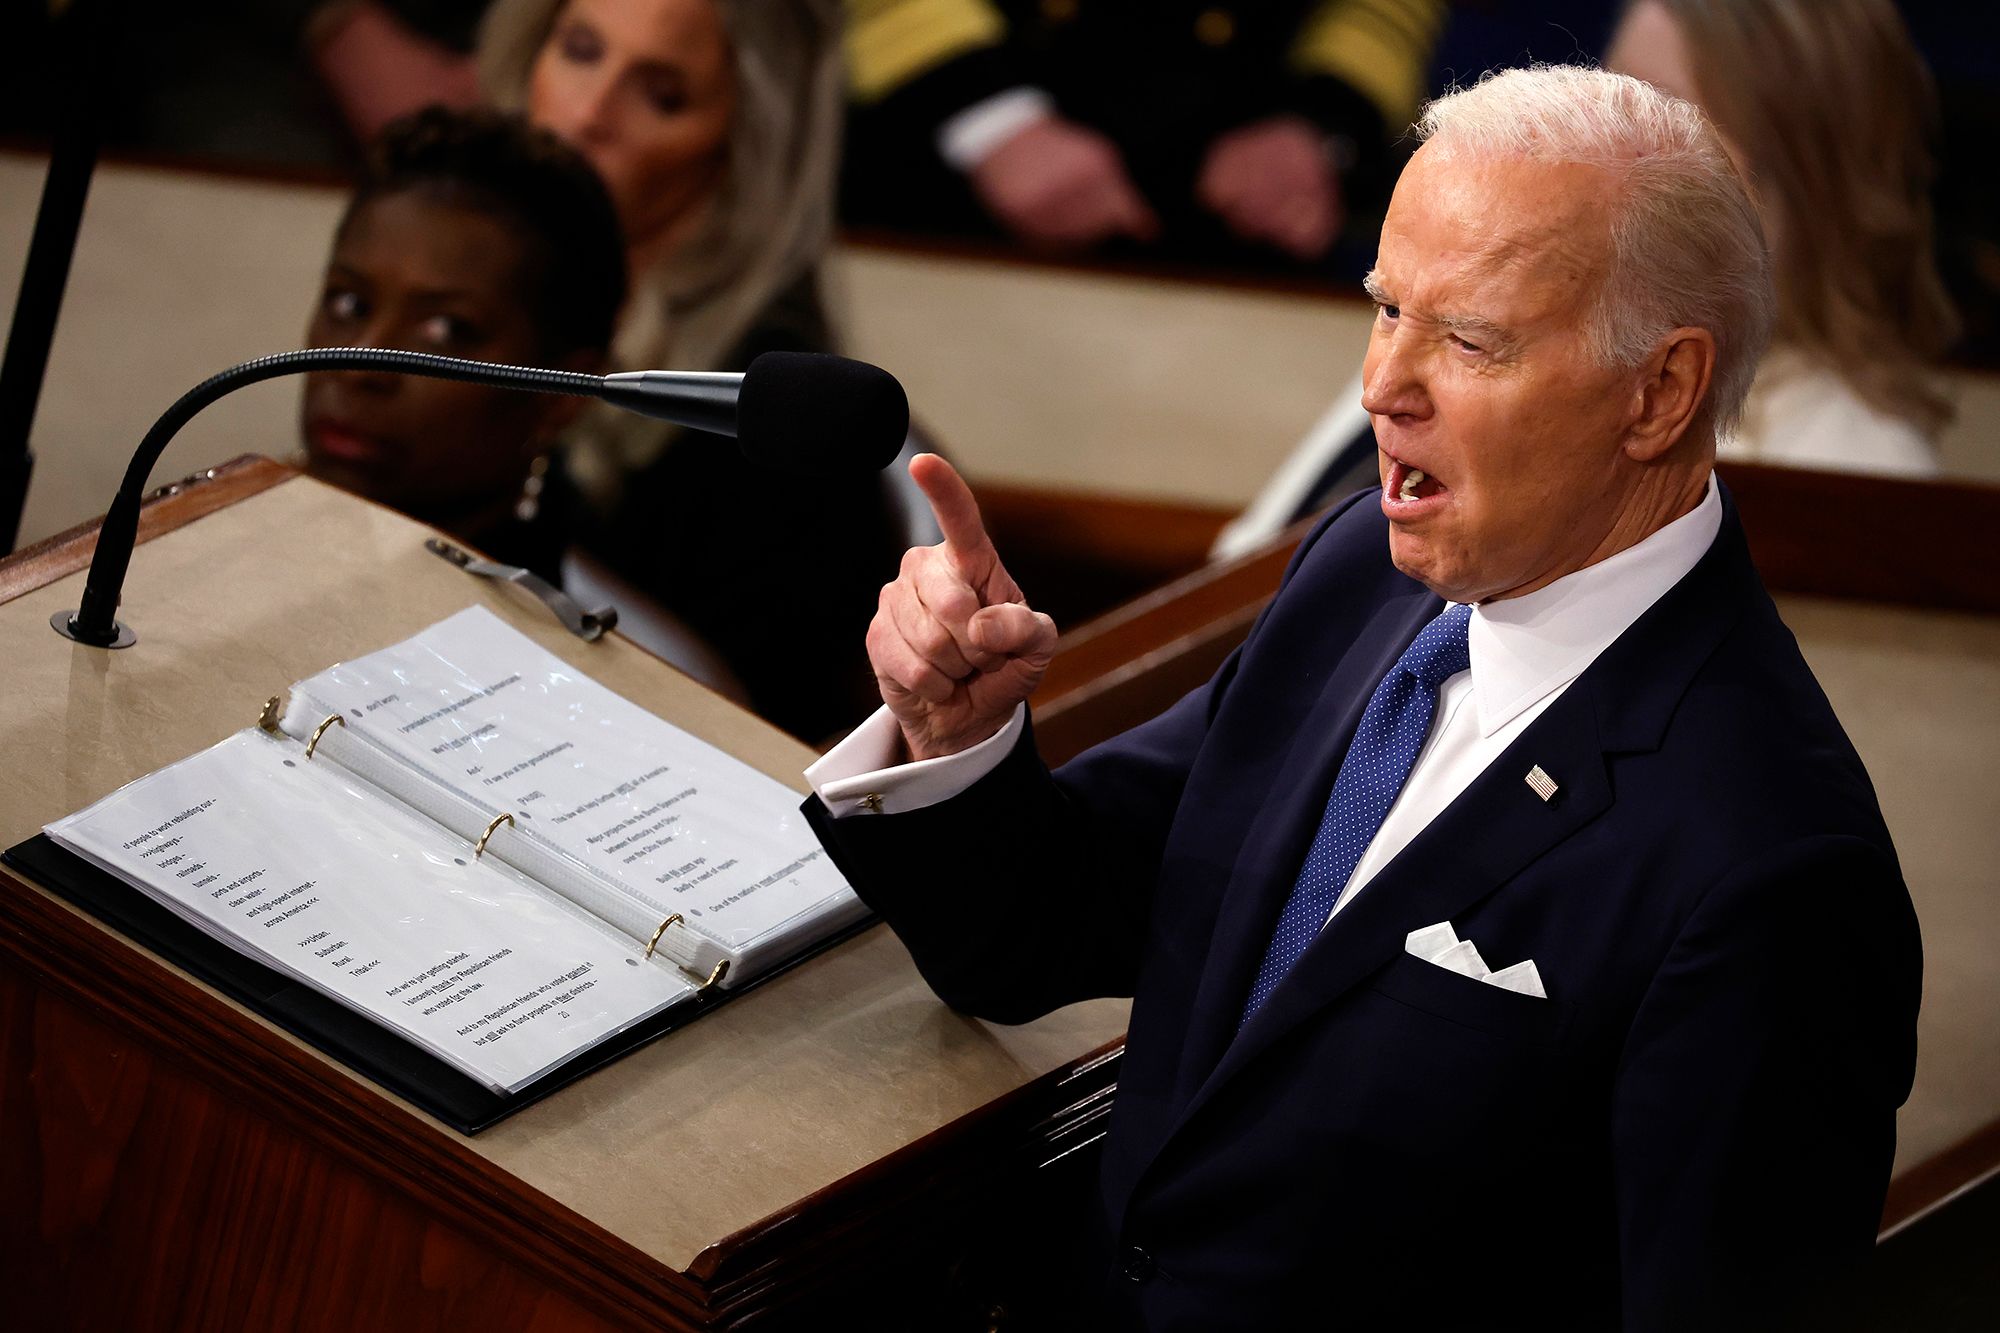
{"x": 715, "y": 127}
{"x": 471, "y": 235}
{"x": 1824, "y": 105}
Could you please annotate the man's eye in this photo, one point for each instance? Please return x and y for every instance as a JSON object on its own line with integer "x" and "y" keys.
{"x": 1465, "y": 346}
{"x": 1390, "y": 312}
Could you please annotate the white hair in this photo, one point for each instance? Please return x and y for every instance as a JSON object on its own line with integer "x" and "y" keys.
{"x": 1687, "y": 250}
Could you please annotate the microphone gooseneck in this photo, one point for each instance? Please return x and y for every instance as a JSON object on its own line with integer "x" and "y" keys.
{"x": 848, "y": 435}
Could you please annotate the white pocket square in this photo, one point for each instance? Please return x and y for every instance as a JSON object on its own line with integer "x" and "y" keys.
{"x": 1440, "y": 944}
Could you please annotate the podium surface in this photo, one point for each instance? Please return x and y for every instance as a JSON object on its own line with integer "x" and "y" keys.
{"x": 168, "y": 1152}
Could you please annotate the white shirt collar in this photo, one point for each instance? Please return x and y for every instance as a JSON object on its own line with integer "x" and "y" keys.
{"x": 1525, "y": 647}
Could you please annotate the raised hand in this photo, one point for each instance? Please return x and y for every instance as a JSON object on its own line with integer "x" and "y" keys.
{"x": 953, "y": 643}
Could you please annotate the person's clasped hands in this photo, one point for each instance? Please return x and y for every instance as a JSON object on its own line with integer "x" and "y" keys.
{"x": 1274, "y": 183}
{"x": 1061, "y": 185}
{"x": 954, "y": 645}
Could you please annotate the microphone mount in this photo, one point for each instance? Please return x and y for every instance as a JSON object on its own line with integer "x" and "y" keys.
{"x": 700, "y": 401}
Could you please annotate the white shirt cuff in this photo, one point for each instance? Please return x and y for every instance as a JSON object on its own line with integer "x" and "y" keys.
{"x": 969, "y": 138}
{"x": 860, "y": 776}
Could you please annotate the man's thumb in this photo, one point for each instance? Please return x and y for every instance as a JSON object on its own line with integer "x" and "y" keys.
{"x": 1012, "y": 630}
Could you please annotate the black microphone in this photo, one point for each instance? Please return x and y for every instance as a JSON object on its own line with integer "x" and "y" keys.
{"x": 802, "y": 413}
{"x": 793, "y": 412}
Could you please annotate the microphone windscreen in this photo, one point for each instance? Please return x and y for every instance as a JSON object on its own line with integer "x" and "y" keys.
{"x": 810, "y": 414}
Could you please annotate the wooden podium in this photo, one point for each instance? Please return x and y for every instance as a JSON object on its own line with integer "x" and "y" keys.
{"x": 835, "y": 1149}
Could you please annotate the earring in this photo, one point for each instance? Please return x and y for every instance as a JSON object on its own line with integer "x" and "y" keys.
{"x": 529, "y": 505}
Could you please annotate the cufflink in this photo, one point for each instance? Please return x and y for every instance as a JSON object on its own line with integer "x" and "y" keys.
{"x": 1540, "y": 783}
{"x": 872, "y": 802}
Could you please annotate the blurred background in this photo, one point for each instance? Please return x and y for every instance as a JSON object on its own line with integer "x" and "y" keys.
{"x": 1123, "y": 326}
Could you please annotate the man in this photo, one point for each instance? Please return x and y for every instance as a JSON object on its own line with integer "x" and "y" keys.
{"x": 1513, "y": 934}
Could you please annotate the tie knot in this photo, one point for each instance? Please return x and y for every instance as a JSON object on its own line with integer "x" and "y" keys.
{"x": 1440, "y": 650}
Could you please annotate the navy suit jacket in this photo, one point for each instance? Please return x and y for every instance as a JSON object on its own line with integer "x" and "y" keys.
{"x": 1694, "y": 1129}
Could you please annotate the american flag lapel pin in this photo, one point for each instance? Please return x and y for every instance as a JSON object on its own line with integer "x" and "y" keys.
{"x": 1541, "y": 783}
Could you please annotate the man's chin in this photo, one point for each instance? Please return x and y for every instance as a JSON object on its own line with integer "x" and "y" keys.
{"x": 1410, "y": 553}
{"x": 1420, "y": 560}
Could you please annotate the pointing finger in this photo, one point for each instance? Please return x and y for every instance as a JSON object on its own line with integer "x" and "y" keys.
{"x": 957, "y": 515}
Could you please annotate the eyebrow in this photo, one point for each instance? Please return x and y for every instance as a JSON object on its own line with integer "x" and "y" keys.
{"x": 431, "y": 295}
{"x": 1473, "y": 328}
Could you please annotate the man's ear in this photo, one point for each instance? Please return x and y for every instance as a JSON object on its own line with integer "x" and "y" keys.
{"x": 1674, "y": 384}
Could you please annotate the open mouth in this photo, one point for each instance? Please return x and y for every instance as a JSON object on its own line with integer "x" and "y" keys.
{"x": 1408, "y": 485}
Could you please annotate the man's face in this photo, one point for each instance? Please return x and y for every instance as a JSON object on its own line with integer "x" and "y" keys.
{"x": 1479, "y": 375}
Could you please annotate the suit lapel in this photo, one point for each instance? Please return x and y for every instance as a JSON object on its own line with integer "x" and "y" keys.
{"x": 1275, "y": 846}
{"x": 1496, "y": 826}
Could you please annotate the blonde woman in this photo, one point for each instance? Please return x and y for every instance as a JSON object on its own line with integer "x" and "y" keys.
{"x": 715, "y": 127}
{"x": 1826, "y": 106}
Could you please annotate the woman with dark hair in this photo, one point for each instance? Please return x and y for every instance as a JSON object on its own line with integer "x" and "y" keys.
{"x": 471, "y": 235}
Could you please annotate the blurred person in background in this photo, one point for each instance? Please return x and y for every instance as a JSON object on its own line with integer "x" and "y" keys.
{"x": 470, "y": 235}
{"x": 1214, "y": 131}
{"x": 1828, "y": 110}
{"x": 382, "y": 59}
{"x": 715, "y": 127}
{"x": 1825, "y": 106}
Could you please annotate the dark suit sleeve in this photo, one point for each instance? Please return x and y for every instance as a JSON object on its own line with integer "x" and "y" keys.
{"x": 1030, "y": 890}
{"x": 1755, "y": 1110}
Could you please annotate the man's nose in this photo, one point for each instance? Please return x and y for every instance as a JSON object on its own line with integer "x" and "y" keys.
{"x": 1391, "y": 377}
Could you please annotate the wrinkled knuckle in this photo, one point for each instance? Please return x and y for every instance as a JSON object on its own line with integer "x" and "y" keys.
{"x": 934, "y": 641}
{"x": 956, "y": 606}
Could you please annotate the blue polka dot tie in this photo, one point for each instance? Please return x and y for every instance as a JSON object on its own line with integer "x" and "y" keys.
{"x": 1378, "y": 762}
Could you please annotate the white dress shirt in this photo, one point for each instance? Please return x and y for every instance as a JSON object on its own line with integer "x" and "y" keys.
{"x": 1525, "y": 651}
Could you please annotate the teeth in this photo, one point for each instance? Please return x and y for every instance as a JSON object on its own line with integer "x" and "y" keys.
{"x": 1411, "y": 480}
